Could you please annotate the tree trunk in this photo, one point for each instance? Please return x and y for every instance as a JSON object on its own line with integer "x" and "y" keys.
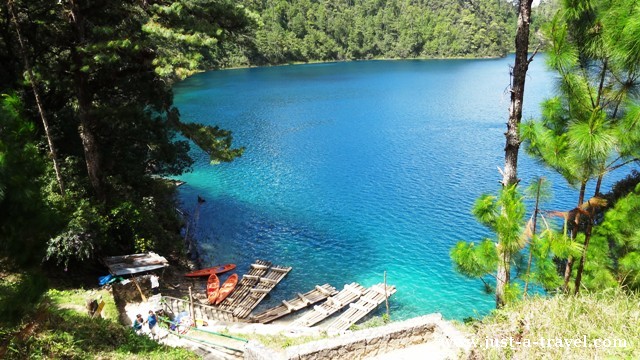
{"x": 36, "y": 95}
{"x": 587, "y": 238}
{"x": 519, "y": 75}
{"x": 503, "y": 277}
{"x": 510, "y": 173}
{"x": 533, "y": 235}
{"x": 574, "y": 234}
{"x": 88, "y": 124}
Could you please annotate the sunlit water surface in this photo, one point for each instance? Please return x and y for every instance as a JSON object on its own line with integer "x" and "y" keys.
{"x": 357, "y": 168}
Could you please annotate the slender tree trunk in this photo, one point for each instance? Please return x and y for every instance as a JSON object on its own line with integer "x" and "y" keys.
{"x": 574, "y": 234}
{"x": 519, "y": 75}
{"x": 509, "y": 175}
{"x": 587, "y": 238}
{"x": 503, "y": 277}
{"x": 36, "y": 94}
{"x": 533, "y": 235}
{"x": 88, "y": 124}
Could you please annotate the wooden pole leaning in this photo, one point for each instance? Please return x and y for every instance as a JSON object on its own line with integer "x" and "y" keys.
{"x": 386, "y": 294}
{"x": 191, "y": 309}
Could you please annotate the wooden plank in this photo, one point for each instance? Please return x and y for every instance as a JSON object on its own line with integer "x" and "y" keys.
{"x": 299, "y": 302}
{"x": 304, "y": 299}
{"x": 371, "y": 299}
{"x": 354, "y": 289}
{"x": 323, "y": 290}
{"x": 258, "y": 269}
{"x": 200, "y": 311}
{"x": 359, "y": 307}
{"x": 99, "y": 310}
{"x": 333, "y": 304}
{"x": 261, "y": 290}
{"x": 271, "y": 281}
{"x": 290, "y": 307}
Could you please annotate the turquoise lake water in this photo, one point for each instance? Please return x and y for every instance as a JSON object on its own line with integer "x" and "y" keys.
{"x": 352, "y": 169}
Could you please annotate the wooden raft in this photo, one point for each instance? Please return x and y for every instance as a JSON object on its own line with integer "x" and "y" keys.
{"x": 349, "y": 294}
{"x": 201, "y": 311}
{"x": 373, "y": 297}
{"x": 299, "y": 302}
{"x": 248, "y": 282}
{"x": 264, "y": 286}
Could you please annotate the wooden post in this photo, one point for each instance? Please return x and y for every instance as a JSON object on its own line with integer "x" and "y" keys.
{"x": 191, "y": 310}
{"x": 386, "y": 294}
{"x": 144, "y": 298}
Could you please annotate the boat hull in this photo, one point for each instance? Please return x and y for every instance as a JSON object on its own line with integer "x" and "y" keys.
{"x": 227, "y": 287}
{"x": 212, "y": 270}
{"x": 213, "y": 288}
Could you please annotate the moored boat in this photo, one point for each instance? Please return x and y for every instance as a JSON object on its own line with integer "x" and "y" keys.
{"x": 227, "y": 287}
{"x": 219, "y": 269}
{"x": 213, "y": 288}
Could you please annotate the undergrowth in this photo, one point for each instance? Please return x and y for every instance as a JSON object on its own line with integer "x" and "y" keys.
{"x": 60, "y": 328}
{"x": 604, "y": 325}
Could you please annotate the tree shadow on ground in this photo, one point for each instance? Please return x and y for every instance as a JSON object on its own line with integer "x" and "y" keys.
{"x": 66, "y": 334}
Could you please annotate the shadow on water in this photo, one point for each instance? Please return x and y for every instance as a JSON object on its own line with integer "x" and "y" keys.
{"x": 232, "y": 231}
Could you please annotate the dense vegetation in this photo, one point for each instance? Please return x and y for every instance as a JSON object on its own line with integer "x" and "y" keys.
{"x": 89, "y": 123}
{"x": 88, "y": 130}
{"x": 61, "y": 329}
{"x": 589, "y": 129}
{"x": 304, "y": 30}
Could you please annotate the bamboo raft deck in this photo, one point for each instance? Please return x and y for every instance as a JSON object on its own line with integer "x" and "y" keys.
{"x": 301, "y": 301}
{"x": 373, "y": 297}
{"x": 248, "y": 281}
{"x": 264, "y": 286}
{"x": 200, "y": 311}
{"x": 349, "y": 294}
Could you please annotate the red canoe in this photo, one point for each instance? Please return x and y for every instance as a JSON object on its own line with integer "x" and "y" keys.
{"x": 212, "y": 270}
{"x": 213, "y": 287}
{"x": 227, "y": 288}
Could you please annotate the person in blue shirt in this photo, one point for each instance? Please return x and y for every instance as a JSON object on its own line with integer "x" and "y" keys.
{"x": 137, "y": 323}
{"x": 153, "y": 321}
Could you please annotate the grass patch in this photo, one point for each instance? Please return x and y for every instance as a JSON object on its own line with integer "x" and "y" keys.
{"x": 278, "y": 341}
{"x": 75, "y": 300}
{"x": 374, "y": 322}
{"x": 60, "y": 328}
{"x": 604, "y": 325}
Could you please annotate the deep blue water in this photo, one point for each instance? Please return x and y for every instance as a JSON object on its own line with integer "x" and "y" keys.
{"x": 355, "y": 168}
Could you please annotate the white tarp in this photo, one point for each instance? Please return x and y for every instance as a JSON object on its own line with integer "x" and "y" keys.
{"x": 135, "y": 263}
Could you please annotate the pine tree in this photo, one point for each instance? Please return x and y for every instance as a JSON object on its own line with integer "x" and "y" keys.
{"x": 591, "y": 128}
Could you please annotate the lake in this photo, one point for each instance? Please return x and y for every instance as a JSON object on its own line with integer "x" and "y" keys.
{"x": 356, "y": 168}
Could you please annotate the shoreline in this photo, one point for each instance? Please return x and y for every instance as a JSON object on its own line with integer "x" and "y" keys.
{"x": 311, "y": 62}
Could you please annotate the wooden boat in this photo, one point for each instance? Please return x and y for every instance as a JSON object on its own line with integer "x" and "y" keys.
{"x": 213, "y": 288}
{"x": 227, "y": 287}
{"x": 212, "y": 270}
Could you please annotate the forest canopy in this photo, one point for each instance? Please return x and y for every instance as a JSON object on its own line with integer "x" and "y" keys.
{"x": 90, "y": 121}
{"x": 304, "y": 30}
